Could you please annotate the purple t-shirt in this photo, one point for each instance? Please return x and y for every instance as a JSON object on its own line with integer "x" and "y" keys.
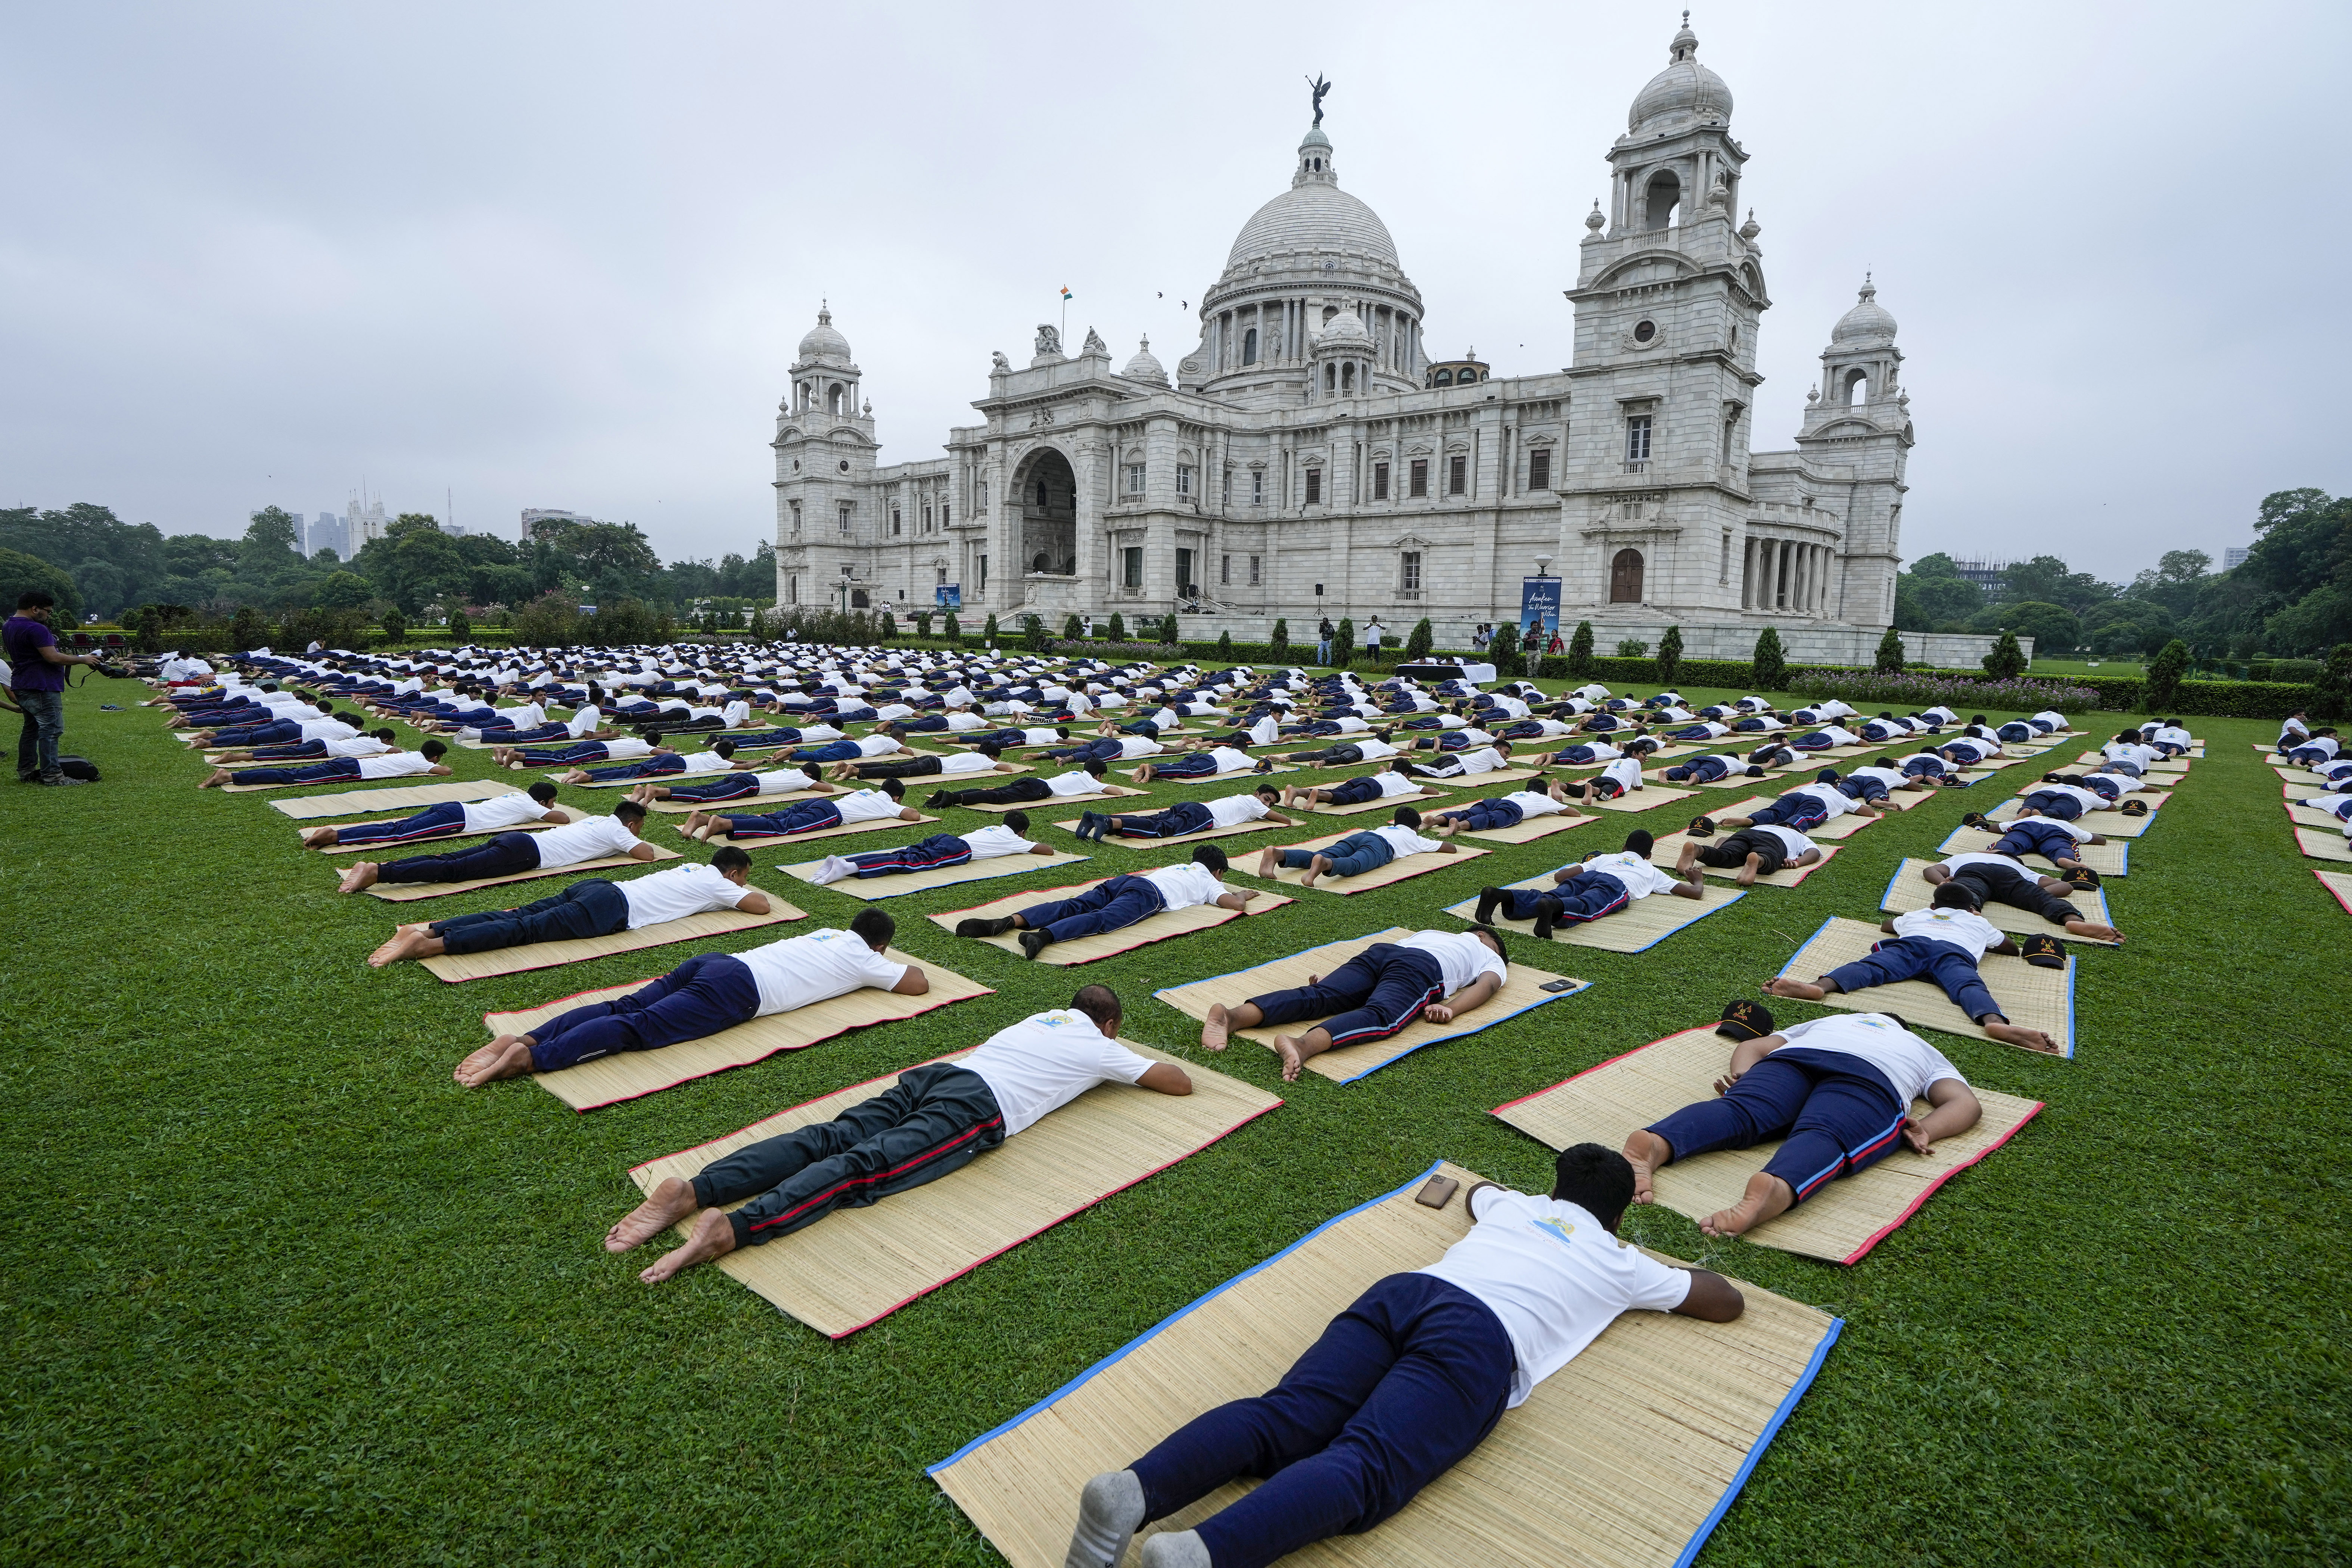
{"x": 24, "y": 639}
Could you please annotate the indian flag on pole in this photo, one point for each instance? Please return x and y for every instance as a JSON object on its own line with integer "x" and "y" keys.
{"x": 1065, "y": 292}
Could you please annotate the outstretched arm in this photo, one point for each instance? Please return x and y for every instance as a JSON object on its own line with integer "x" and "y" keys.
{"x": 1953, "y": 1109}
{"x": 1165, "y": 1078}
{"x": 753, "y": 902}
{"x": 914, "y": 983}
{"x": 1471, "y": 995}
{"x": 1712, "y": 1298}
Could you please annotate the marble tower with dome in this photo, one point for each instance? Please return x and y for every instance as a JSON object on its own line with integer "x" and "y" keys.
{"x": 1312, "y": 438}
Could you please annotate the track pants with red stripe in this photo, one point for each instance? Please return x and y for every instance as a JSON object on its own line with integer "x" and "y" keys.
{"x": 1371, "y": 996}
{"x": 935, "y": 1119}
{"x": 1836, "y": 1113}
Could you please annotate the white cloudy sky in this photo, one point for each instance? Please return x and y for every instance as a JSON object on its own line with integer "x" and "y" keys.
{"x": 560, "y": 255}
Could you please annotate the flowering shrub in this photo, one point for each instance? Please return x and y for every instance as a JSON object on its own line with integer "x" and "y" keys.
{"x": 1922, "y": 688}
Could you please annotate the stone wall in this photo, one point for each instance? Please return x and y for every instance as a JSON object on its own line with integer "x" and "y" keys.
{"x": 1801, "y": 643}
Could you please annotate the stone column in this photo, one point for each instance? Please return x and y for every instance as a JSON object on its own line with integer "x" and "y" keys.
{"x": 1089, "y": 517}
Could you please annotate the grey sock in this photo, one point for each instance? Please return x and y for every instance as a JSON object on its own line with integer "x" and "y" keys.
{"x": 1176, "y": 1549}
{"x": 1110, "y": 1510}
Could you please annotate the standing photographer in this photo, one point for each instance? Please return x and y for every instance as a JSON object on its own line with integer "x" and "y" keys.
{"x": 36, "y": 680}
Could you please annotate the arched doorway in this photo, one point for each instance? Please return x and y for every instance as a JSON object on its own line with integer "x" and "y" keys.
{"x": 1048, "y": 492}
{"x": 1625, "y": 578}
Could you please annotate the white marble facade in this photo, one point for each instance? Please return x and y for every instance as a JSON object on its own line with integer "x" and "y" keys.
{"x": 1302, "y": 444}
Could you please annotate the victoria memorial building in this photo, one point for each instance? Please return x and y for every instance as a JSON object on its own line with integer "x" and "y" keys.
{"x": 1312, "y": 455}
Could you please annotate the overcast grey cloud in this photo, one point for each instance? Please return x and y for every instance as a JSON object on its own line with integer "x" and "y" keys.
{"x": 560, "y": 256}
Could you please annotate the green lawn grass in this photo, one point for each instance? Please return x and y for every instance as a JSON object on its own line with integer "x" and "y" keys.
{"x": 279, "y": 1292}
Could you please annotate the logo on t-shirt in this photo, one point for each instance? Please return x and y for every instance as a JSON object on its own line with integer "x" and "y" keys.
{"x": 1558, "y": 1230}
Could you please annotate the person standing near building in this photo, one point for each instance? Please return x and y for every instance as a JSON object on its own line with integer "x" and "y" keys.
{"x": 1373, "y": 633}
{"x": 1323, "y": 634}
{"x": 36, "y": 680}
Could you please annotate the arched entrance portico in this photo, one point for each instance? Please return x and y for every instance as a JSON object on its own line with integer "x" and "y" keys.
{"x": 1047, "y": 489}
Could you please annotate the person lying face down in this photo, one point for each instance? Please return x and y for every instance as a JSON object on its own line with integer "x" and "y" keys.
{"x": 421, "y": 762}
{"x": 1434, "y": 975}
{"x": 929, "y": 854}
{"x": 1189, "y": 816}
{"x": 1357, "y": 853}
{"x": 1547, "y": 799}
{"x": 707, "y": 993}
{"x": 1405, "y": 1382}
{"x": 591, "y": 907}
{"x": 448, "y": 820}
{"x": 1999, "y": 875}
{"x": 935, "y": 1120}
{"x": 1117, "y": 902}
{"x": 510, "y": 854}
{"x": 1838, "y": 1090}
{"x": 1942, "y": 943}
{"x": 1593, "y": 889}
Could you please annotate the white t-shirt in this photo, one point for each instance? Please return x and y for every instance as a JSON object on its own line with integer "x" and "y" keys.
{"x": 1830, "y": 796}
{"x": 1393, "y": 783}
{"x": 1979, "y": 858}
{"x": 2053, "y": 717}
{"x": 1230, "y": 761}
{"x": 1837, "y": 737}
{"x": 626, "y": 747}
{"x": 582, "y": 720}
{"x": 2092, "y": 800}
{"x": 1232, "y": 810}
{"x": 707, "y": 762}
{"x": 503, "y": 811}
{"x": 1533, "y": 803}
{"x": 1910, "y": 1063}
{"x": 1890, "y": 777}
{"x": 866, "y": 805}
{"x": 1461, "y": 957}
{"x": 1640, "y": 878}
{"x": 2081, "y": 833}
{"x": 1796, "y": 842}
{"x": 875, "y": 746}
{"x": 589, "y": 839}
{"x": 1138, "y": 746}
{"x": 817, "y": 734}
{"x": 988, "y": 842}
{"x": 1404, "y": 840}
{"x": 1372, "y": 748}
{"x": 1187, "y": 886}
{"x": 783, "y": 781}
{"x": 968, "y": 762}
{"x": 822, "y": 964}
{"x": 1046, "y": 1060}
{"x": 1603, "y": 751}
{"x": 524, "y": 715}
{"x": 1715, "y": 730}
{"x": 1074, "y": 783}
{"x": 1626, "y": 771}
{"x": 327, "y": 730}
{"x": 395, "y": 766}
{"x": 1554, "y": 1276}
{"x": 1964, "y": 928}
{"x": 681, "y": 891}
{"x": 357, "y": 746}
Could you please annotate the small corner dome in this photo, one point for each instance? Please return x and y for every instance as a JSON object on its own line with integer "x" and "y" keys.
{"x": 1347, "y": 327}
{"x": 1145, "y": 367}
{"x": 823, "y": 342}
{"x": 1684, "y": 90}
{"x": 1867, "y": 319}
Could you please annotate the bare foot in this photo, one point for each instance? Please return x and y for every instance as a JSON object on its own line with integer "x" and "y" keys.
{"x": 713, "y": 1236}
{"x": 220, "y": 776}
{"x": 1287, "y": 1050}
{"x": 670, "y": 1201}
{"x": 359, "y": 877}
{"x": 1267, "y": 862}
{"x": 1646, "y": 1152}
{"x": 1746, "y": 875}
{"x": 2010, "y": 1035}
{"x": 1217, "y": 1030}
{"x": 1766, "y": 1197}
{"x": 2094, "y": 931}
{"x": 1782, "y": 986}
{"x": 509, "y": 1056}
{"x": 1687, "y": 859}
{"x": 317, "y": 839}
{"x": 403, "y": 944}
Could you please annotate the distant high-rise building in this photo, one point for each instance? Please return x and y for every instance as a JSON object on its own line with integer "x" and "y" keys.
{"x": 2234, "y": 556}
{"x": 537, "y": 521}
{"x": 1990, "y": 576}
{"x": 363, "y": 523}
{"x": 326, "y": 531}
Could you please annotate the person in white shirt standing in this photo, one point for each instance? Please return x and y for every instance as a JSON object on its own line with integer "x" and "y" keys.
{"x": 1117, "y": 902}
{"x": 1406, "y": 1383}
{"x": 707, "y": 993}
{"x": 1838, "y": 1090}
{"x": 935, "y": 1120}
{"x": 1435, "y": 975}
{"x": 1357, "y": 853}
{"x": 1942, "y": 943}
{"x": 1593, "y": 889}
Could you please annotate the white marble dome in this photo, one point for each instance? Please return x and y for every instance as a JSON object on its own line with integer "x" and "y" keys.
{"x": 1146, "y": 367}
{"x": 1685, "y": 90}
{"x": 1346, "y": 328}
{"x": 1868, "y": 321}
{"x": 823, "y": 342}
{"x": 1314, "y": 214}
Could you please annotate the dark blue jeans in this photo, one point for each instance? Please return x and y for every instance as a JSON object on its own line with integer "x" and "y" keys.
{"x": 1836, "y": 1112}
{"x": 45, "y": 726}
{"x": 1399, "y": 1389}
{"x": 707, "y": 992}
{"x": 590, "y": 908}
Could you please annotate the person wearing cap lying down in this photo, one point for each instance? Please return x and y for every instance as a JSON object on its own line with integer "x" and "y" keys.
{"x": 510, "y": 854}
{"x": 426, "y": 760}
{"x": 1187, "y": 816}
{"x": 1357, "y": 853}
{"x": 1437, "y": 976}
{"x": 1971, "y": 746}
{"x": 935, "y": 1120}
{"x": 1752, "y": 852}
{"x": 2034, "y": 728}
{"x": 2067, "y": 797}
{"x": 2111, "y": 783}
{"x": 374, "y": 743}
{"x": 1836, "y": 1090}
{"x": 1622, "y": 776}
{"x": 1711, "y": 767}
{"x": 1586, "y": 754}
{"x": 1117, "y": 902}
{"x": 1547, "y": 798}
{"x": 1828, "y": 738}
{"x": 740, "y": 783}
{"x": 707, "y": 993}
{"x": 1089, "y": 780}
{"x": 806, "y": 816}
{"x": 1393, "y": 781}
{"x": 1203, "y": 763}
{"x": 1878, "y": 779}
{"x": 2031, "y": 833}
{"x": 1942, "y": 943}
{"x": 591, "y": 907}
{"x": 1802, "y": 809}
{"x": 450, "y": 819}
{"x": 931, "y": 854}
{"x": 1998, "y": 875}
{"x": 1405, "y": 1382}
{"x": 1594, "y": 889}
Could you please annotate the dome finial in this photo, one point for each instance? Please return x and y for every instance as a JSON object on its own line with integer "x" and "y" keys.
{"x": 1593, "y": 220}
{"x": 1685, "y": 44}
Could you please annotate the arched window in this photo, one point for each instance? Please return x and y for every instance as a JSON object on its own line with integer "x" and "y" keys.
{"x": 1041, "y": 495}
{"x": 860, "y": 600}
{"x": 1858, "y": 387}
{"x": 1625, "y": 578}
{"x": 1444, "y": 378}
{"x": 1347, "y": 378}
{"x": 1330, "y": 376}
{"x": 1664, "y": 197}
{"x": 832, "y": 398}
{"x": 1249, "y": 346}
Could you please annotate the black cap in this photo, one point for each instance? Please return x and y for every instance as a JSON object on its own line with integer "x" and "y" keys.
{"x": 1745, "y": 1020}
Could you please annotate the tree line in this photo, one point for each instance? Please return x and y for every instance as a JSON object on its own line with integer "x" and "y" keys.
{"x": 2291, "y": 598}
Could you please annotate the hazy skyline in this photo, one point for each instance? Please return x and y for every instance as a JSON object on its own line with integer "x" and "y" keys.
{"x": 559, "y": 256}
